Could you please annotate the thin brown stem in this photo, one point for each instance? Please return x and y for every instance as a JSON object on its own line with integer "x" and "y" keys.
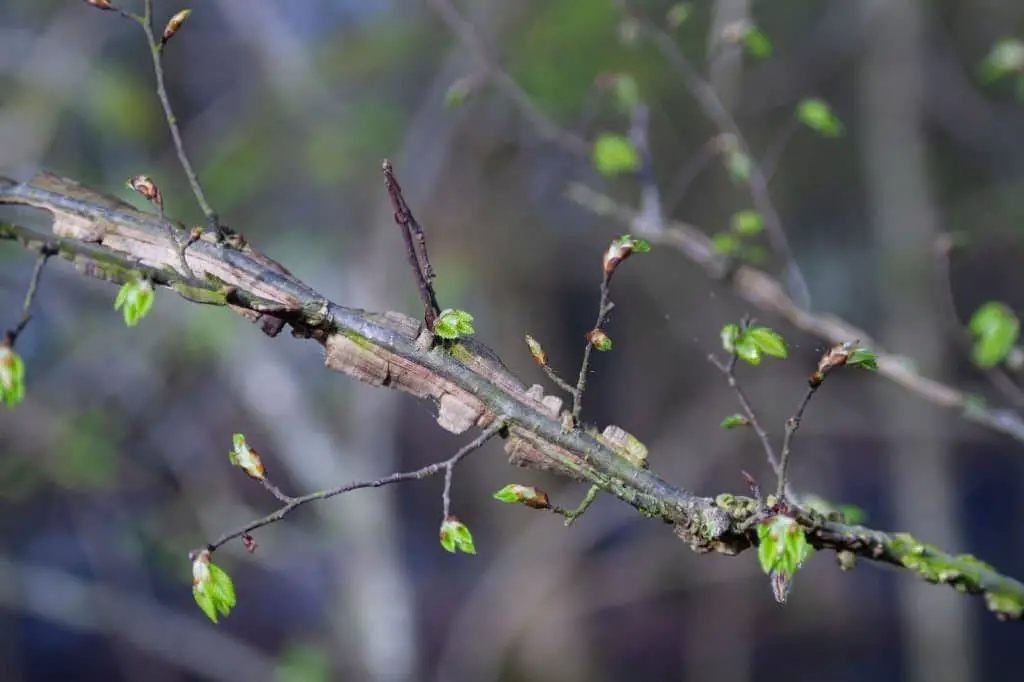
{"x": 792, "y": 424}
{"x": 33, "y": 287}
{"x": 729, "y": 370}
{"x": 293, "y": 503}
{"x": 604, "y": 309}
{"x": 415, "y": 246}
{"x": 156, "y": 51}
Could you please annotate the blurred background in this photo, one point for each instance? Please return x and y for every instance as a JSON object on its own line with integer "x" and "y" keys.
{"x": 115, "y": 466}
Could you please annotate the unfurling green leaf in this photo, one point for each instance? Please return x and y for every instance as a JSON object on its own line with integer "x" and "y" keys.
{"x": 614, "y": 154}
{"x": 782, "y": 549}
{"x": 747, "y": 350}
{"x": 995, "y": 330}
{"x": 747, "y": 223}
{"x": 245, "y": 458}
{"x": 212, "y": 588}
{"x": 523, "y": 494}
{"x": 455, "y": 536}
{"x": 12, "y": 376}
{"x": 734, "y": 421}
{"x": 729, "y": 334}
{"x": 819, "y": 117}
{"x": 135, "y": 299}
{"x": 599, "y": 340}
{"x": 768, "y": 341}
{"x": 454, "y": 324}
{"x": 862, "y": 357}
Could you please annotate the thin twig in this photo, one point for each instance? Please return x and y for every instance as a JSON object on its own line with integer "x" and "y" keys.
{"x": 767, "y": 294}
{"x": 996, "y": 376}
{"x": 415, "y": 246}
{"x": 545, "y": 127}
{"x": 716, "y": 111}
{"x": 294, "y": 503}
{"x": 26, "y": 308}
{"x": 156, "y": 51}
{"x": 792, "y": 424}
{"x": 689, "y": 171}
{"x": 571, "y": 515}
{"x": 605, "y": 307}
{"x": 729, "y": 370}
{"x": 276, "y": 492}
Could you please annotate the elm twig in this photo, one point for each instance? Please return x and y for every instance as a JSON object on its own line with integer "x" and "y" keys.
{"x": 415, "y": 246}
{"x": 293, "y": 503}
{"x": 12, "y": 334}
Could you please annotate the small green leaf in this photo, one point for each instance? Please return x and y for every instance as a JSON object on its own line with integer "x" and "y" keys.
{"x": 677, "y": 14}
{"x": 995, "y": 330}
{"x": 747, "y": 350}
{"x": 739, "y": 166}
{"x": 212, "y": 587}
{"x": 767, "y": 548}
{"x": 862, "y": 357}
{"x": 453, "y": 324}
{"x": 725, "y": 243}
{"x": 455, "y": 536}
{"x": 135, "y": 299}
{"x": 1005, "y": 57}
{"x": 12, "y": 376}
{"x": 757, "y": 44}
{"x": 734, "y": 421}
{"x": 626, "y": 92}
{"x": 768, "y": 341}
{"x": 747, "y": 223}
{"x": 818, "y": 116}
{"x": 729, "y": 334}
{"x": 614, "y": 155}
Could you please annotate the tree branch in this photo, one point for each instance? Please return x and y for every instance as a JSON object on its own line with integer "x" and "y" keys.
{"x": 108, "y": 238}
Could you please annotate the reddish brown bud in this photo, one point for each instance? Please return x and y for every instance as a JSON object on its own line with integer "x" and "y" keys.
{"x": 174, "y": 24}
{"x": 147, "y": 188}
{"x": 249, "y": 543}
{"x": 100, "y": 4}
{"x": 599, "y": 340}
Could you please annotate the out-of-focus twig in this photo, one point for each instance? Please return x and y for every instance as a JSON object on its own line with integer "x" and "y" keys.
{"x": 545, "y": 127}
{"x": 12, "y": 334}
{"x": 996, "y": 376}
{"x": 713, "y": 108}
{"x": 767, "y": 294}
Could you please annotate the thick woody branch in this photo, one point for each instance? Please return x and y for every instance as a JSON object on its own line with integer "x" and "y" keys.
{"x": 107, "y": 237}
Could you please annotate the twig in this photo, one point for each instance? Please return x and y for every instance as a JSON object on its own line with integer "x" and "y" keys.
{"x": 156, "y": 51}
{"x": 293, "y": 503}
{"x": 605, "y": 307}
{"x": 545, "y": 127}
{"x": 689, "y": 171}
{"x": 715, "y": 110}
{"x": 145, "y": 186}
{"x": 26, "y": 308}
{"x": 572, "y": 514}
{"x": 704, "y": 523}
{"x": 767, "y": 294}
{"x": 792, "y": 424}
{"x": 729, "y": 370}
{"x": 997, "y": 376}
{"x": 415, "y": 246}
